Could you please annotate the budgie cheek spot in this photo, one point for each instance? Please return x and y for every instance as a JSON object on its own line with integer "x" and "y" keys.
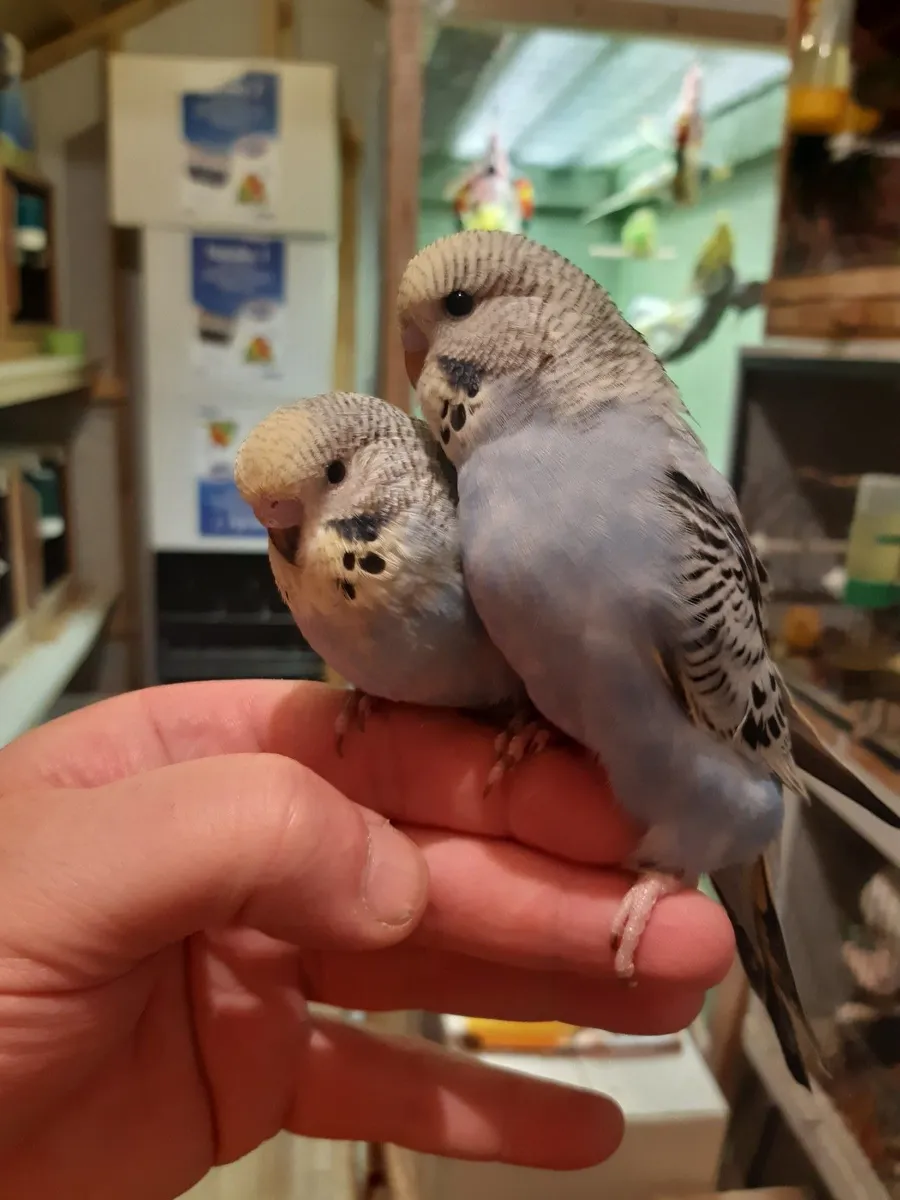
{"x": 461, "y": 375}
{"x": 364, "y": 527}
{"x": 458, "y": 417}
{"x": 348, "y": 589}
{"x": 372, "y": 564}
{"x": 445, "y": 435}
{"x": 349, "y": 561}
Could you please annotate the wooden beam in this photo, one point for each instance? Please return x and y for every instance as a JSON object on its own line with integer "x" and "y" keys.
{"x": 700, "y": 23}
{"x": 277, "y": 34}
{"x": 401, "y": 209}
{"x": 79, "y": 12}
{"x": 96, "y": 33}
{"x": 345, "y": 349}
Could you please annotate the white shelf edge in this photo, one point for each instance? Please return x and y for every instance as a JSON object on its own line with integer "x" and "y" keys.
{"x": 33, "y": 684}
{"x": 25, "y": 379}
{"x": 815, "y": 1122}
{"x": 854, "y": 350}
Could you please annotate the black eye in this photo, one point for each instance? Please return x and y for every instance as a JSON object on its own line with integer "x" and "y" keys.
{"x": 458, "y": 304}
{"x": 335, "y": 471}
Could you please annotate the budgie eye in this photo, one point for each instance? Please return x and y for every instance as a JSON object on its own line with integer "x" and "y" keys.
{"x": 458, "y": 304}
{"x": 335, "y": 471}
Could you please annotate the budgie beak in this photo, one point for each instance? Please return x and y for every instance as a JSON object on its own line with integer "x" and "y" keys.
{"x": 278, "y": 513}
{"x": 283, "y": 520}
{"x": 415, "y": 351}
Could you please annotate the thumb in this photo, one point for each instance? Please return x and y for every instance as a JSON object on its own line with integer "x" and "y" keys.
{"x": 96, "y": 879}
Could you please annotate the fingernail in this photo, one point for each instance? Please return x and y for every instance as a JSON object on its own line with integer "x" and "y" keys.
{"x": 395, "y": 877}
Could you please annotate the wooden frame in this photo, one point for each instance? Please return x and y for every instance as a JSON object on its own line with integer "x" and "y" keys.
{"x": 852, "y": 303}
{"x": 93, "y": 35}
{"x": 650, "y": 18}
{"x": 401, "y": 210}
{"x": 277, "y": 40}
{"x": 404, "y": 123}
{"x": 19, "y": 340}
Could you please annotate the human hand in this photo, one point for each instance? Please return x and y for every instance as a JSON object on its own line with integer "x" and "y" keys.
{"x": 184, "y": 868}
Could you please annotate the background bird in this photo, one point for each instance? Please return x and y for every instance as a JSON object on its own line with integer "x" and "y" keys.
{"x": 610, "y": 564}
{"x": 360, "y": 508}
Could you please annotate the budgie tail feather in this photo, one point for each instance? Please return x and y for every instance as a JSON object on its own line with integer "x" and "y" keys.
{"x": 746, "y": 896}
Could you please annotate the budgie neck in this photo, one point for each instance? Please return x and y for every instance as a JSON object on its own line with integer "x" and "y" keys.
{"x": 596, "y": 358}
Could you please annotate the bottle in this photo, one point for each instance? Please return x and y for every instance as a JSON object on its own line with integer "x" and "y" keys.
{"x": 819, "y": 94}
{"x": 873, "y": 551}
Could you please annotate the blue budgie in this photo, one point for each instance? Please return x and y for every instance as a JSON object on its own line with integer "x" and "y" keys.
{"x": 360, "y": 506}
{"x": 610, "y": 564}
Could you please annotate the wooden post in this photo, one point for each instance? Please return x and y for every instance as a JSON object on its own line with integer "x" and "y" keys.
{"x": 277, "y": 33}
{"x": 401, "y": 215}
{"x": 116, "y": 390}
{"x": 345, "y": 348}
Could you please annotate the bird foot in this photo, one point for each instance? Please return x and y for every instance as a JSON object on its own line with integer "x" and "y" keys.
{"x": 524, "y": 737}
{"x": 356, "y": 710}
{"x": 634, "y": 913}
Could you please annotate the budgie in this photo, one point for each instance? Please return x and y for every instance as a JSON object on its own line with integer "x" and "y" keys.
{"x": 609, "y": 563}
{"x": 360, "y": 508}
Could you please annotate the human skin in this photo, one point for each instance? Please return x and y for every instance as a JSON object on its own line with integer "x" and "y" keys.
{"x": 183, "y": 869}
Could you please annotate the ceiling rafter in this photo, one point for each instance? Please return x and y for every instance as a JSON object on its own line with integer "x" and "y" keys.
{"x": 78, "y": 12}
{"x": 110, "y": 25}
{"x": 654, "y": 18}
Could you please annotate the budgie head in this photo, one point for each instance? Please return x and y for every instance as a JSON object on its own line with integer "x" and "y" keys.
{"x": 495, "y": 325}
{"x": 322, "y": 474}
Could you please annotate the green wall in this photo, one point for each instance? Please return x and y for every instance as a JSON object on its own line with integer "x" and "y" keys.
{"x": 707, "y": 378}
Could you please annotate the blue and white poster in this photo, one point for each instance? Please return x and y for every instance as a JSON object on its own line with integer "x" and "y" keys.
{"x": 221, "y": 510}
{"x": 239, "y": 294}
{"x": 233, "y": 149}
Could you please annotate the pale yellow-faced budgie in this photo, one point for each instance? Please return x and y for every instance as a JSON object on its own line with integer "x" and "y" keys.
{"x": 609, "y": 563}
{"x": 360, "y": 508}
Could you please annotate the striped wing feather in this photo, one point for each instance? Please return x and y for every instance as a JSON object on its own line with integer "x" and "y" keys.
{"x": 728, "y": 681}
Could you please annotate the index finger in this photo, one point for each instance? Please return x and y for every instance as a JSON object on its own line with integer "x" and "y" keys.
{"x": 413, "y": 765}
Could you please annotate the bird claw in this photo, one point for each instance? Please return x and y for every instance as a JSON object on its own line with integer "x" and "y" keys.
{"x": 356, "y": 710}
{"x": 633, "y": 915}
{"x": 523, "y": 738}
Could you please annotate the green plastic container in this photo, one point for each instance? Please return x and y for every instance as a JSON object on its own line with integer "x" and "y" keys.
{"x": 64, "y": 343}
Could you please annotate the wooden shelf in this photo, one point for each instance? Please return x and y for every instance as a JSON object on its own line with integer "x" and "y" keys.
{"x": 826, "y": 349}
{"x": 881, "y": 780}
{"x": 41, "y": 672}
{"x": 26, "y": 379}
{"x": 815, "y": 1122}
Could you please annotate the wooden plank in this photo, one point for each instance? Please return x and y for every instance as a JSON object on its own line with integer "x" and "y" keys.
{"x": 401, "y": 211}
{"x": 766, "y": 1193}
{"x": 836, "y": 318}
{"x": 79, "y": 12}
{"x": 345, "y": 347}
{"x": 128, "y": 617}
{"x": 694, "y": 22}
{"x": 95, "y": 33}
{"x": 863, "y": 283}
{"x": 726, "y": 1023}
{"x": 26, "y": 558}
{"x": 277, "y": 28}
{"x": 822, "y": 1133}
{"x": 402, "y": 1174}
